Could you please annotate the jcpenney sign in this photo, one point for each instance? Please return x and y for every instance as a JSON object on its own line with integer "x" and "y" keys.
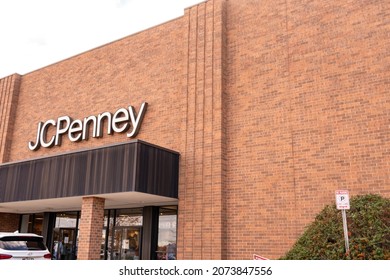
{"x": 123, "y": 120}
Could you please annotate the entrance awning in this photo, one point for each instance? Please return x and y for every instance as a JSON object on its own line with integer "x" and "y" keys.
{"x": 133, "y": 167}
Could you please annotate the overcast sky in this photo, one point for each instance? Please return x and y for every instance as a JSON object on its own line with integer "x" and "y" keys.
{"x": 36, "y": 33}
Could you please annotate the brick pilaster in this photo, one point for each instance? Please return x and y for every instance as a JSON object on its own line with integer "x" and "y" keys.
{"x": 91, "y": 225}
{"x": 200, "y": 228}
{"x": 9, "y": 92}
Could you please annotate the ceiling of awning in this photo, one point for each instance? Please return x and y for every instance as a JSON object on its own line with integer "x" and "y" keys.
{"x": 112, "y": 201}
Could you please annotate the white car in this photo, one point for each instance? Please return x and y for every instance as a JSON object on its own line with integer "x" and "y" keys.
{"x": 22, "y": 246}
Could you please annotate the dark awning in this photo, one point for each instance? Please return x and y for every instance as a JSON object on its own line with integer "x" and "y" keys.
{"x": 131, "y": 167}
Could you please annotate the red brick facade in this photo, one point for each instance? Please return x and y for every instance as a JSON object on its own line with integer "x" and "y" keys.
{"x": 272, "y": 105}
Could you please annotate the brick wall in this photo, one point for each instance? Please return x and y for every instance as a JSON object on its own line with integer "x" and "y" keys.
{"x": 9, "y": 222}
{"x": 91, "y": 226}
{"x": 308, "y": 111}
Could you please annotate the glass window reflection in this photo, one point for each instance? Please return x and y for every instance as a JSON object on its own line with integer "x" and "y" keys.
{"x": 167, "y": 228}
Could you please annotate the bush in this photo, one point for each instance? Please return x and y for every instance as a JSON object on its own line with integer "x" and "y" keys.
{"x": 368, "y": 229}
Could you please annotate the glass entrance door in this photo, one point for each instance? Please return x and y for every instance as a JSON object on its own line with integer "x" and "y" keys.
{"x": 126, "y": 243}
{"x": 64, "y": 247}
{"x": 65, "y": 236}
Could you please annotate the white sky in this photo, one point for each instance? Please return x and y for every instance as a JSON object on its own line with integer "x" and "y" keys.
{"x": 36, "y": 33}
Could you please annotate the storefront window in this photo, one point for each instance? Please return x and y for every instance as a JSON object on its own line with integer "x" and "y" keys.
{"x": 167, "y": 233}
{"x": 123, "y": 232}
{"x": 37, "y": 223}
{"x": 32, "y": 223}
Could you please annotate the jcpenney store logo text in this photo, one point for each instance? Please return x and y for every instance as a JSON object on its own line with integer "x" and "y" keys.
{"x": 77, "y": 130}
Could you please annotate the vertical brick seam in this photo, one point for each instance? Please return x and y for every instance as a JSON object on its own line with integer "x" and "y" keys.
{"x": 9, "y": 92}
{"x": 200, "y": 202}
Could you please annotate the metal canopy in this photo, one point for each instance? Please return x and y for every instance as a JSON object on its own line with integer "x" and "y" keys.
{"x": 134, "y": 166}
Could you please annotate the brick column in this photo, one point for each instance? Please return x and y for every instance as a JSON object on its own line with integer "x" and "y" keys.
{"x": 91, "y": 225}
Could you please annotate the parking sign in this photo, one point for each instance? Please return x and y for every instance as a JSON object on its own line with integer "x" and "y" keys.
{"x": 342, "y": 200}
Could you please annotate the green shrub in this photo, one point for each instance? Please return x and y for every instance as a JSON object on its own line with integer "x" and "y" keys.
{"x": 368, "y": 229}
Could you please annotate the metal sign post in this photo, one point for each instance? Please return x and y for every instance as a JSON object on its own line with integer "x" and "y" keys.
{"x": 345, "y": 227}
{"x": 342, "y": 203}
